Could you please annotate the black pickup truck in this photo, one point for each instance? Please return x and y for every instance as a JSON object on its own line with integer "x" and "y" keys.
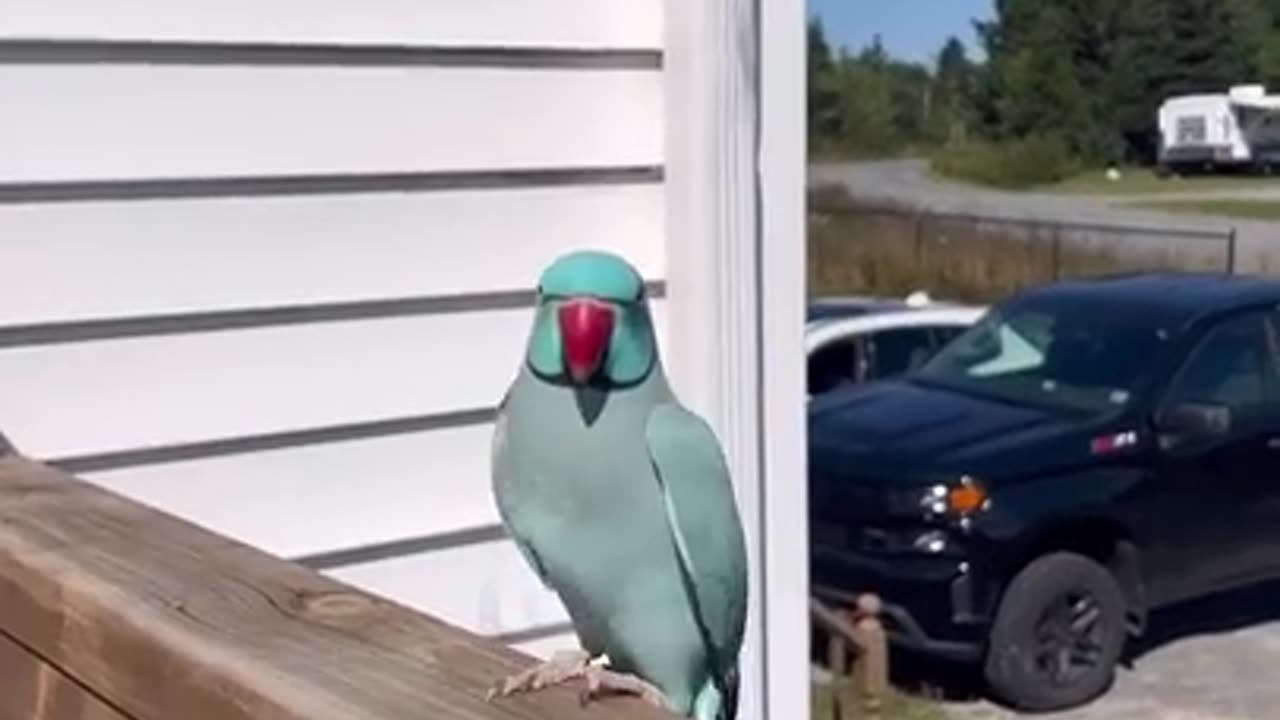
{"x": 1088, "y": 451}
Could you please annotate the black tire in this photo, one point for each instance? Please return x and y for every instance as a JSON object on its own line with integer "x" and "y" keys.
{"x": 1027, "y": 665}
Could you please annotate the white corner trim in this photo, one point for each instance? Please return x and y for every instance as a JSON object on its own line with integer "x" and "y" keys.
{"x": 736, "y": 356}
{"x": 710, "y": 165}
{"x": 784, "y": 139}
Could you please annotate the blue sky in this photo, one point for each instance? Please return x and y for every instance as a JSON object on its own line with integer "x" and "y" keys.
{"x": 909, "y": 29}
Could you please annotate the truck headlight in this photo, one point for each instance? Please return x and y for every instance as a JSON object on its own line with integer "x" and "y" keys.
{"x": 959, "y": 499}
{"x": 932, "y": 541}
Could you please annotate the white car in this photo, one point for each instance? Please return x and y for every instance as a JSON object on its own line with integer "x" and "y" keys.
{"x": 855, "y": 339}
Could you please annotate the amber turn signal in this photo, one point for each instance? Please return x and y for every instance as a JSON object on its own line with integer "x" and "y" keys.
{"x": 966, "y": 498}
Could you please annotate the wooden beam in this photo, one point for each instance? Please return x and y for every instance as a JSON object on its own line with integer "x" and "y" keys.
{"x": 36, "y": 689}
{"x": 161, "y": 620}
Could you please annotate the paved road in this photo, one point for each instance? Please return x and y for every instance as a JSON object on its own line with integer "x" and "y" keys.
{"x": 1215, "y": 660}
{"x": 906, "y": 181}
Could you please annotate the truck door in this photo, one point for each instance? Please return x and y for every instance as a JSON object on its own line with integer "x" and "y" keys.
{"x": 1205, "y": 516}
{"x": 1260, "y": 559}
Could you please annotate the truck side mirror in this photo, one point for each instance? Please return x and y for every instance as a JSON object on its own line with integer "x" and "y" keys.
{"x": 1192, "y": 419}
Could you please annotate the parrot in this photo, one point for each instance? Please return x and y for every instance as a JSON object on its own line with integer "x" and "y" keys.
{"x": 620, "y": 500}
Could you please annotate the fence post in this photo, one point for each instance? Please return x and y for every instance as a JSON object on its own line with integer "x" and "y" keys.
{"x": 838, "y": 662}
{"x": 1231, "y": 251}
{"x": 920, "y": 214}
{"x": 873, "y": 667}
{"x": 1057, "y": 251}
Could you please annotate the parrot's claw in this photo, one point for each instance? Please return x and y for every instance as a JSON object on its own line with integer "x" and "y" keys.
{"x": 563, "y": 666}
{"x": 601, "y": 681}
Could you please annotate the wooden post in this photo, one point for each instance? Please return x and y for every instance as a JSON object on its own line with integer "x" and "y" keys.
{"x": 1231, "y": 251}
{"x": 1057, "y": 251}
{"x": 110, "y": 610}
{"x": 861, "y": 630}
{"x": 919, "y": 238}
{"x": 838, "y": 662}
{"x": 873, "y": 667}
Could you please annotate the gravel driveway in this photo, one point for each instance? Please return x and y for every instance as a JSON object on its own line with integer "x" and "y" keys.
{"x": 1214, "y": 660}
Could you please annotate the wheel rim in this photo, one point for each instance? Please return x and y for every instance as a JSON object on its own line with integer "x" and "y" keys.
{"x": 1069, "y": 638}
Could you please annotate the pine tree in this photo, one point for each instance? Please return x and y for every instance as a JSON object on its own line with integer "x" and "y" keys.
{"x": 1037, "y": 83}
{"x": 1215, "y": 44}
{"x": 953, "y": 94}
{"x": 823, "y": 96}
{"x": 867, "y": 124}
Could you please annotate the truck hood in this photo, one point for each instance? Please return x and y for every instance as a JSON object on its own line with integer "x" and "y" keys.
{"x": 899, "y": 432}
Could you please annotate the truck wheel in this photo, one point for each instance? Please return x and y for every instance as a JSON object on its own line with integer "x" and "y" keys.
{"x": 1057, "y": 635}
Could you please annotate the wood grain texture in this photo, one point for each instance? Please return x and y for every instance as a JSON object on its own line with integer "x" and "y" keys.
{"x": 413, "y": 496}
{"x": 491, "y": 588}
{"x": 165, "y": 620}
{"x": 35, "y": 690}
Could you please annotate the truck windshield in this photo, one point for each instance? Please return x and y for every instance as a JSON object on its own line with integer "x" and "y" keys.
{"x": 1069, "y": 354}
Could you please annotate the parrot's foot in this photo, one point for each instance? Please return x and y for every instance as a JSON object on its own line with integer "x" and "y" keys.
{"x": 601, "y": 681}
{"x": 563, "y": 666}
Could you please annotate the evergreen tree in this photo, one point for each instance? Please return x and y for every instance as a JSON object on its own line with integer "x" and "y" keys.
{"x": 1094, "y": 71}
{"x": 1215, "y": 44}
{"x": 953, "y": 94}
{"x": 1141, "y": 72}
{"x": 867, "y": 125}
{"x": 1038, "y": 85}
{"x": 823, "y": 96}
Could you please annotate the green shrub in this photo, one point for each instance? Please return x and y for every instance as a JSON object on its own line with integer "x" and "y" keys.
{"x": 1014, "y": 164}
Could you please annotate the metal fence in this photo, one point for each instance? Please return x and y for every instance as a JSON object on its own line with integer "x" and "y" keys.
{"x": 885, "y": 249}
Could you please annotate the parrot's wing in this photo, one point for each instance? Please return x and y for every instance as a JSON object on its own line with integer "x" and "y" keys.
{"x": 501, "y": 466}
{"x": 705, "y": 526}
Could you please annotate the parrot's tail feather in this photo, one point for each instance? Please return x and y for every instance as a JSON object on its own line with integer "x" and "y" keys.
{"x": 718, "y": 698}
{"x": 729, "y": 709}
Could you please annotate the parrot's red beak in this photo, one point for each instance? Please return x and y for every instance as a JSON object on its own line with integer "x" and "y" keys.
{"x": 585, "y": 327}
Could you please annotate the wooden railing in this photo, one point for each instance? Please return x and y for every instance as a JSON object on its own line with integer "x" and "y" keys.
{"x": 110, "y": 610}
{"x": 857, "y": 655}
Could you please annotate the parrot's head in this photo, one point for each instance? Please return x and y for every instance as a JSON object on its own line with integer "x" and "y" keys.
{"x": 592, "y": 324}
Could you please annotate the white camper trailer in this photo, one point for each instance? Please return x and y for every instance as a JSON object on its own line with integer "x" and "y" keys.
{"x": 1237, "y": 129}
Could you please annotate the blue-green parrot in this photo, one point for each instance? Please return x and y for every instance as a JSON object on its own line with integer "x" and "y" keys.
{"x": 620, "y": 500}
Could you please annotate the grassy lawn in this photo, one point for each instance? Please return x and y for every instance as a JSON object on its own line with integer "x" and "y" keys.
{"x": 898, "y": 707}
{"x": 1226, "y": 207}
{"x": 1141, "y": 181}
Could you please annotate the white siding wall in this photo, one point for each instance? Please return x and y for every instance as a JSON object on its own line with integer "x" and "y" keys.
{"x": 267, "y": 262}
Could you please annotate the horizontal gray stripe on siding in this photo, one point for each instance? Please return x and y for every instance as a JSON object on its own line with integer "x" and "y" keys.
{"x": 78, "y": 52}
{"x": 402, "y": 548}
{"x": 332, "y": 184}
{"x": 221, "y": 320}
{"x": 537, "y": 632}
{"x": 119, "y": 460}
